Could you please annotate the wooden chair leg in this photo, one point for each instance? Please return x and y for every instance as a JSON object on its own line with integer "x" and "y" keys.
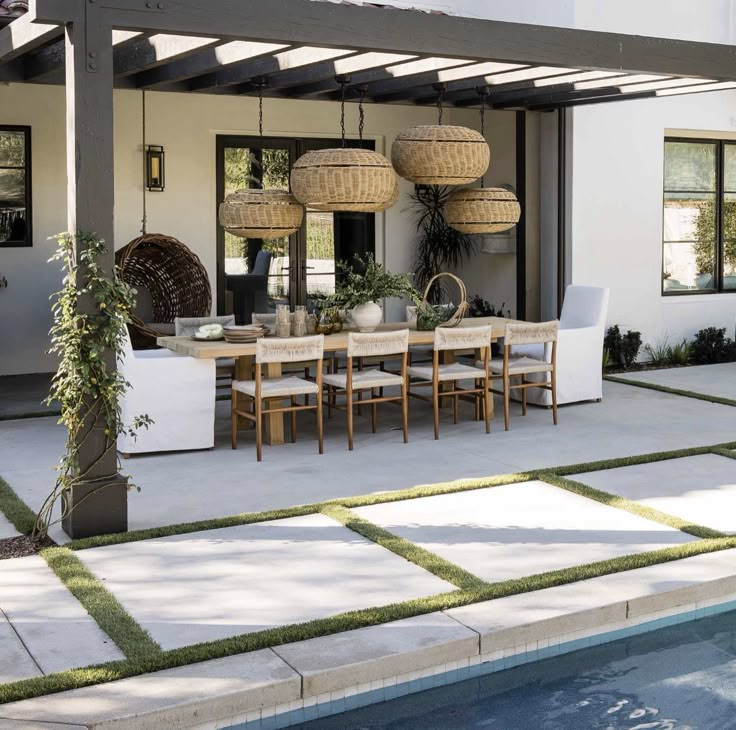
{"x": 374, "y": 411}
{"x": 455, "y": 404}
{"x": 320, "y": 425}
{"x": 523, "y": 397}
{"x": 405, "y": 411}
{"x": 234, "y": 419}
{"x": 487, "y": 396}
{"x": 436, "y": 410}
{"x": 350, "y": 420}
{"x": 478, "y": 402}
{"x": 506, "y": 398}
{"x": 293, "y": 421}
{"x": 554, "y": 397}
{"x": 259, "y": 430}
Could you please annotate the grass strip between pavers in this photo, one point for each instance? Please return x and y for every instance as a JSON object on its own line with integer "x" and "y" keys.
{"x": 425, "y": 559}
{"x": 134, "y": 641}
{"x": 19, "y": 514}
{"x": 614, "y": 500}
{"x": 151, "y": 662}
{"x": 728, "y": 453}
{"x": 672, "y": 391}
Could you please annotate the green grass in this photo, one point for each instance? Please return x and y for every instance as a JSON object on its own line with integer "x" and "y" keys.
{"x": 613, "y": 500}
{"x": 408, "y": 550}
{"x": 150, "y": 662}
{"x": 19, "y": 514}
{"x": 673, "y": 391}
{"x": 104, "y": 608}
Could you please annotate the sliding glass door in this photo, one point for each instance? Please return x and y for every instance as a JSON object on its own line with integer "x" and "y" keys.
{"x": 255, "y": 275}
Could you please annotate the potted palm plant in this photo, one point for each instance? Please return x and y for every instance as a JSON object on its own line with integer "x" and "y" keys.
{"x": 362, "y": 284}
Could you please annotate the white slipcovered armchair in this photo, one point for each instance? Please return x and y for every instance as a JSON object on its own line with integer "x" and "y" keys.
{"x": 579, "y": 347}
{"x": 177, "y": 392}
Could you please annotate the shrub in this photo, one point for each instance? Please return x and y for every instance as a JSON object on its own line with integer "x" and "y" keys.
{"x": 622, "y": 348}
{"x": 712, "y": 346}
{"x": 479, "y": 307}
{"x": 658, "y": 352}
{"x": 679, "y": 354}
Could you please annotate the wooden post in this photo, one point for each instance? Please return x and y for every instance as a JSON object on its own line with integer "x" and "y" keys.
{"x": 98, "y": 505}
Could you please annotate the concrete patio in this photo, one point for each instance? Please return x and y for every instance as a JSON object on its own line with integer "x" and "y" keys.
{"x": 192, "y": 486}
{"x": 219, "y": 584}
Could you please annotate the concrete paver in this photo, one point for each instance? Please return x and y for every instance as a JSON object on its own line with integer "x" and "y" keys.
{"x": 519, "y": 530}
{"x": 701, "y": 489}
{"x": 56, "y": 630}
{"x": 15, "y": 662}
{"x": 209, "y": 585}
{"x": 6, "y": 528}
{"x": 714, "y": 380}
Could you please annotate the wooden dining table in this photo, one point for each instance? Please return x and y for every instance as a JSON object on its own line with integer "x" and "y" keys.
{"x": 244, "y": 354}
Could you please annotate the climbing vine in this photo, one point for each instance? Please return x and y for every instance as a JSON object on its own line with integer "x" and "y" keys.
{"x": 91, "y": 312}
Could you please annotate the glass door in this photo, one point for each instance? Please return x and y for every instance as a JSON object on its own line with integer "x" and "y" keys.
{"x": 254, "y": 275}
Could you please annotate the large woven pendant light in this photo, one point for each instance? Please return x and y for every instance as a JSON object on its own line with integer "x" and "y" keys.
{"x": 344, "y": 178}
{"x": 258, "y": 212}
{"x": 482, "y": 210}
{"x": 440, "y": 154}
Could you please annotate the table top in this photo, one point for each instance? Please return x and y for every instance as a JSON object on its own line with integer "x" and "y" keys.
{"x": 333, "y": 343}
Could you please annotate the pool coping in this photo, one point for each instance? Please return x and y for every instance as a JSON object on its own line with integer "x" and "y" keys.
{"x": 294, "y": 683}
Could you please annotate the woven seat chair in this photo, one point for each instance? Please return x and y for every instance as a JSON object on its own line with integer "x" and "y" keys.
{"x": 435, "y": 374}
{"x": 509, "y": 367}
{"x": 169, "y": 276}
{"x": 284, "y": 388}
{"x": 372, "y": 381}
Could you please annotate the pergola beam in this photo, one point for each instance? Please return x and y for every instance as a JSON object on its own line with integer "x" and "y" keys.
{"x": 145, "y": 53}
{"x": 303, "y": 22}
{"x": 23, "y": 35}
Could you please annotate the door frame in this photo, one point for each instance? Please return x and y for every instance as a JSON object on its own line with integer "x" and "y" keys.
{"x": 296, "y": 146}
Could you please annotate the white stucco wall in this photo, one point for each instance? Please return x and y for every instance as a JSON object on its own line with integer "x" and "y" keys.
{"x": 187, "y": 125}
{"x": 616, "y": 221}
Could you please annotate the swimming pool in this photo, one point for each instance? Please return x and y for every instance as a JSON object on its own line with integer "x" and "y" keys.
{"x": 681, "y": 677}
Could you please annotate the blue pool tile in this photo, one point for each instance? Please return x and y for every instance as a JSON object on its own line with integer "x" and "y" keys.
{"x": 392, "y": 692}
{"x": 296, "y": 716}
{"x": 268, "y": 723}
{"x": 310, "y": 713}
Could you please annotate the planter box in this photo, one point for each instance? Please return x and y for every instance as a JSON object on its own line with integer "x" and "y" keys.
{"x": 96, "y": 508}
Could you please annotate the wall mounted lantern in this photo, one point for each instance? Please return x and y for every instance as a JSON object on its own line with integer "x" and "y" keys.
{"x": 155, "y": 168}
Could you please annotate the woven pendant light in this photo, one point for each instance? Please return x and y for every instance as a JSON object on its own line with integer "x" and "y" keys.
{"x": 482, "y": 210}
{"x": 344, "y": 178}
{"x": 440, "y": 154}
{"x": 259, "y": 213}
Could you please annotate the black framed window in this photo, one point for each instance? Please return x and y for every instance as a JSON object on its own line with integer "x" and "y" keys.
{"x": 699, "y": 224}
{"x": 15, "y": 186}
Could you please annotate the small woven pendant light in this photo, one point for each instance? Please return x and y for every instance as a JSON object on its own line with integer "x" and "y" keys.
{"x": 259, "y": 213}
{"x": 482, "y": 210}
{"x": 437, "y": 154}
{"x": 344, "y": 178}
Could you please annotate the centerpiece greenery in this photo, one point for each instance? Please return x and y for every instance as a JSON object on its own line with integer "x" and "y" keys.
{"x": 91, "y": 312}
{"x": 364, "y": 280}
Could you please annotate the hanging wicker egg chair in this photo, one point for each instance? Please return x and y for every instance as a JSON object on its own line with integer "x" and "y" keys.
{"x": 482, "y": 210}
{"x": 440, "y": 154}
{"x": 171, "y": 282}
{"x": 258, "y": 213}
{"x": 344, "y": 178}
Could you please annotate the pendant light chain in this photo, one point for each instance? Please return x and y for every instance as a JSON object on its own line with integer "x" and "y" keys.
{"x": 143, "y": 136}
{"x": 342, "y": 110}
{"x": 482, "y": 94}
{"x": 261, "y": 83}
{"x": 440, "y": 100}
{"x": 361, "y": 115}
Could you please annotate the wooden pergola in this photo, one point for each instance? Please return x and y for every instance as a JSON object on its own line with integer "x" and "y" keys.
{"x": 300, "y": 46}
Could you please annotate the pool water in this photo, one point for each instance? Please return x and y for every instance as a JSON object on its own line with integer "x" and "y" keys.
{"x": 678, "y": 678}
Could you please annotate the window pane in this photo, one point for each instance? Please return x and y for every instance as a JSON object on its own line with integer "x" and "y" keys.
{"x": 688, "y": 265}
{"x": 689, "y": 218}
{"x": 729, "y": 168}
{"x": 690, "y": 166}
{"x": 12, "y": 205}
{"x": 12, "y": 149}
{"x": 320, "y": 255}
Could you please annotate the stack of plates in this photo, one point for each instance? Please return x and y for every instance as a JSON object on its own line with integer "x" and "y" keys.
{"x": 243, "y": 334}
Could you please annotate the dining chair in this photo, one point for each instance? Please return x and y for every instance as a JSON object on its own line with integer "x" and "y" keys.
{"x": 542, "y": 333}
{"x": 438, "y": 375}
{"x": 362, "y": 345}
{"x": 285, "y": 387}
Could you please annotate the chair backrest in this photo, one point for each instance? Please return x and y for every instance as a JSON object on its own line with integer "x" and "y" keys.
{"x": 189, "y": 325}
{"x": 462, "y": 338}
{"x": 290, "y": 349}
{"x": 370, "y": 344}
{"x": 530, "y": 333}
{"x": 584, "y": 306}
{"x": 262, "y": 263}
